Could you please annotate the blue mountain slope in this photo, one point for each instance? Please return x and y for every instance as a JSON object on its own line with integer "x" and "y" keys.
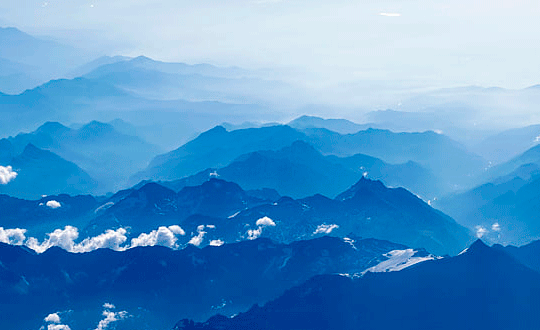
{"x": 158, "y": 285}
{"x": 41, "y": 172}
{"x": 480, "y": 289}
{"x": 368, "y": 209}
{"x": 106, "y": 154}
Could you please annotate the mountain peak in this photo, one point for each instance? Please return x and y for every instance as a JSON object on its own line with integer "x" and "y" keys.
{"x": 478, "y": 247}
{"x": 52, "y": 127}
{"x": 362, "y": 185}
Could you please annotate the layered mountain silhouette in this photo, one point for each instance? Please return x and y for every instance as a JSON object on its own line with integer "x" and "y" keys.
{"x": 78, "y": 99}
{"x": 27, "y": 61}
{"x": 41, "y": 172}
{"x": 342, "y": 126}
{"x": 300, "y": 170}
{"x": 105, "y": 153}
{"x": 201, "y": 82}
{"x": 449, "y": 163}
{"x": 482, "y": 288}
{"x": 506, "y": 207}
{"x": 157, "y": 285}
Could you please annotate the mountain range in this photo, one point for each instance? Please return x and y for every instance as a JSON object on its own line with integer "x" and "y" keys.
{"x": 157, "y": 285}
{"x": 448, "y": 166}
{"x": 42, "y": 172}
{"x": 102, "y": 151}
{"x": 219, "y": 210}
{"x": 483, "y": 288}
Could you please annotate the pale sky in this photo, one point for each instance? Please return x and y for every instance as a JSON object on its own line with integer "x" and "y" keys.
{"x": 417, "y": 43}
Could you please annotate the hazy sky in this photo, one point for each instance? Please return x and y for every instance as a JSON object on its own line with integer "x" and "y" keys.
{"x": 408, "y": 42}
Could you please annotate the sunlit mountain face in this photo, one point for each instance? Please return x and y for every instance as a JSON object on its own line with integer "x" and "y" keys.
{"x": 269, "y": 164}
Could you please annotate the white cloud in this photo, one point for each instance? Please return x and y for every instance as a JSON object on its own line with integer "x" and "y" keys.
{"x": 216, "y": 242}
{"x": 108, "y": 306}
{"x": 58, "y": 327}
{"x": 64, "y": 238}
{"x": 265, "y": 222}
{"x": 197, "y": 240}
{"x": 7, "y": 174}
{"x": 390, "y": 14}
{"x": 54, "y": 322}
{"x": 177, "y": 230}
{"x": 480, "y": 231}
{"x": 496, "y": 227}
{"x": 164, "y": 236}
{"x": 52, "y": 318}
{"x": 110, "y": 239}
{"x": 254, "y": 233}
{"x": 110, "y": 316}
{"x": 325, "y": 229}
{"x": 12, "y": 236}
{"x": 53, "y": 204}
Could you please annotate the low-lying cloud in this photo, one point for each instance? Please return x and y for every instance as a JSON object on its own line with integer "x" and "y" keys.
{"x": 12, "y": 236}
{"x": 111, "y": 239}
{"x": 52, "y": 204}
{"x": 164, "y": 236}
{"x": 198, "y": 239}
{"x": 54, "y": 322}
{"x": 110, "y": 316}
{"x": 261, "y": 224}
{"x": 7, "y": 174}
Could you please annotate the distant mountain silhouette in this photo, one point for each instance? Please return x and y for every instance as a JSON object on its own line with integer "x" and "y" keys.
{"x": 449, "y": 163}
{"x": 106, "y": 154}
{"x": 201, "y": 82}
{"x": 341, "y": 126}
{"x": 27, "y": 61}
{"x": 216, "y": 148}
{"x": 299, "y": 170}
{"x": 41, "y": 172}
{"x": 505, "y": 209}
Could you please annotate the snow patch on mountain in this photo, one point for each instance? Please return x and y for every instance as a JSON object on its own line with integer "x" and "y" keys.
{"x": 399, "y": 260}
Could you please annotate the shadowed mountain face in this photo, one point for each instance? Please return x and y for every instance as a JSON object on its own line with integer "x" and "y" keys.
{"x": 41, "y": 172}
{"x": 368, "y": 209}
{"x": 529, "y": 254}
{"x": 450, "y": 164}
{"x": 105, "y": 153}
{"x": 158, "y": 285}
{"x": 483, "y": 288}
{"x": 216, "y": 148}
{"x": 41, "y": 218}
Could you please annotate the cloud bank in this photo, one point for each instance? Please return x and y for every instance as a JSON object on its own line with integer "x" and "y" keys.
{"x": 111, "y": 239}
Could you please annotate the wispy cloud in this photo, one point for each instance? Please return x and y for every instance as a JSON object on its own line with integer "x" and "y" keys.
{"x": 325, "y": 229}
{"x": 390, "y": 14}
